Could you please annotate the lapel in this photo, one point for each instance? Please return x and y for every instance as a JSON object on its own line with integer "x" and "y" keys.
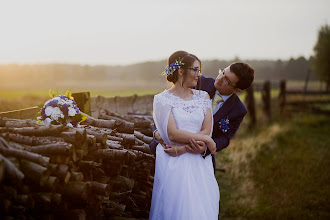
{"x": 225, "y": 108}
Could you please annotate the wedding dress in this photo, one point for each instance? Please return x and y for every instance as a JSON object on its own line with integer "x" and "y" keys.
{"x": 184, "y": 186}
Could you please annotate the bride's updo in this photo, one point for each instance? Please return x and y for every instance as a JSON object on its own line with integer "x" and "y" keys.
{"x": 186, "y": 58}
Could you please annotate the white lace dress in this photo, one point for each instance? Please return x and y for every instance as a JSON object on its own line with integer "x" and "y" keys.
{"x": 185, "y": 186}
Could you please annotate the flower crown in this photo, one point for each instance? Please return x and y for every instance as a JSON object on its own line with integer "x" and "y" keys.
{"x": 169, "y": 70}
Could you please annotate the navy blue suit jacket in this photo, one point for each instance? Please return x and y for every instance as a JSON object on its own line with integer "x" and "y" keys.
{"x": 233, "y": 110}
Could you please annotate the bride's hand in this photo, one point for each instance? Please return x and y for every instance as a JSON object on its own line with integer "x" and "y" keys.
{"x": 175, "y": 150}
{"x": 211, "y": 145}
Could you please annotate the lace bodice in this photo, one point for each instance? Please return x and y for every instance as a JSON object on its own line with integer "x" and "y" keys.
{"x": 188, "y": 114}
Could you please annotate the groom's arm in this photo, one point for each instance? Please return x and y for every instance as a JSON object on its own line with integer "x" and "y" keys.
{"x": 154, "y": 142}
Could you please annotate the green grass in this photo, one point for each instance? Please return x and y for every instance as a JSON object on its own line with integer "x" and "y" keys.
{"x": 286, "y": 177}
{"x": 13, "y": 94}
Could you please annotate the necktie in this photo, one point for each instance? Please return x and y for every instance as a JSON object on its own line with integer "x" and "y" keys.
{"x": 217, "y": 98}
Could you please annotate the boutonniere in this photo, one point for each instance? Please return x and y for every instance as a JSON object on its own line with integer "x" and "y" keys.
{"x": 224, "y": 125}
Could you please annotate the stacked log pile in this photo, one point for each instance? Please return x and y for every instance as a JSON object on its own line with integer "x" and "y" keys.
{"x": 100, "y": 170}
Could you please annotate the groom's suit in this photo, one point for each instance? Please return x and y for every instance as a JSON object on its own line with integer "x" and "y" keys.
{"x": 232, "y": 109}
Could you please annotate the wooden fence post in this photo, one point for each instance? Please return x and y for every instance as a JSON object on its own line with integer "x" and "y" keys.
{"x": 251, "y": 106}
{"x": 282, "y": 95}
{"x": 83, "y": 100}
{"x": 266, "y": 99}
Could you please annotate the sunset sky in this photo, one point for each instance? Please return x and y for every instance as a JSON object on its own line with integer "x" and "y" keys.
{"x": 130, "y": 31}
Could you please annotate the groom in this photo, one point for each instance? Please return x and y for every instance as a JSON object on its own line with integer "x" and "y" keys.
{"x": 228, "y": 109}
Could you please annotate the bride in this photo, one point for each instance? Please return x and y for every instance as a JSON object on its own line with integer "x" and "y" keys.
{"x": 184, "y": 186}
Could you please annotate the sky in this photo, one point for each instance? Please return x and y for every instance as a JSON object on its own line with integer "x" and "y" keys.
{"x": 130, "y": 31}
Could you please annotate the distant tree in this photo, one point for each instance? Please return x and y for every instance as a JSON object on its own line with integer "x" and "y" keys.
{"x": 321, "y": 64}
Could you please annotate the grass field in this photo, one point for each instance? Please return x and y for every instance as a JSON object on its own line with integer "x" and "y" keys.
{"x": 13, "y": 94}
{"x": 278, "y": 171}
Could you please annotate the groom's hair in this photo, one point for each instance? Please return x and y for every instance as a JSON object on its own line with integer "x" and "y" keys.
{"x": 245, "y": 74}
{"x": 186, "y": 58}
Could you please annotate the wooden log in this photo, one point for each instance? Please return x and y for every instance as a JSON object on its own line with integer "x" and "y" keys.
{"x": 86, "y": 165}
{"x": 145, "y": 131}
{"x": 33, "y": 140}
{"x": 61, "y": 159}
{"x": 25, "y": 200}
{"x": 91, "y": 139}
{"x": 56, "y": 198}
{"x": 77, "y": 176}
{"x": 75, "y": 214}
{"x": 75, "y": 190}
{"x": 52, "y": 149}
{"x": 114, "y": 209}
{"x": 111, "y": 154}
{"x": 143, "y": 137}
{"x": 100, "y": 188}
{"x": 114, "y": 138}
{"x": 122, "y": 184}
{"x": 143, "y": 148}
{"x": 9, "y": 152}
{"x": 47, "y": 130}
{"x": 128, "y": 138}
{"x": 61, "y": 171}
{"x": 51, "y": 184}
{"x": 79, "y": 155}
{"x": 114, "y": 145}
{"x": 5, "y": 205}
{"x": 34, "y": 172}
{"x": 120, "y": 125}
{"x": 2, "y": 168}
{"x": 8, "y": 192}
{"x": 73, "y": 137}
{"x": 140, "y": 155}
{"x": 101, "y": 137}
{"x": 138, "y": 122}
{"x": 18, "y": 123}
{"x": 12, "y": 172}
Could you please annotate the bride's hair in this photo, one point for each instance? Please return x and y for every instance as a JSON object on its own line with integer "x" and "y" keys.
{"x": 186, "y": 58}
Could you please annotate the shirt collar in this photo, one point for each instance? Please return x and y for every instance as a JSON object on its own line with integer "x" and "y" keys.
{"x": 225, "y": 97}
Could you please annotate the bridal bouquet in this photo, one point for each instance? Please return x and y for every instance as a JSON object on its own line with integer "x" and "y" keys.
{"x": 61, "y": 109}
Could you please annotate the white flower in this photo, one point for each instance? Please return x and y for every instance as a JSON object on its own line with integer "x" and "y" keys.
{"x": 47, "y": 121}
{"x": 39, "y": 118}
{"x": 69, "y": 125}
{"x": 72, "y": 112}
{"x": 56, "y": 114}
{"x": 65, "y": 101}
{"x": 49, "y": 110}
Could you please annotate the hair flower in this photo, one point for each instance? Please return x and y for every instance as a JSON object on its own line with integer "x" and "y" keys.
{"x": 169, "y": 70}
{"x": 224, "y": 125}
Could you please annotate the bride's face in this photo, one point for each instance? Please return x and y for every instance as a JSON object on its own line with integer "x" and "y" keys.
{"x": 193, "y": 74}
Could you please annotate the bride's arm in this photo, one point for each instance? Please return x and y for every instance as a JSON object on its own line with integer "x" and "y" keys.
{"x": 180, "y": 136}
{"x": 207, "y": 123}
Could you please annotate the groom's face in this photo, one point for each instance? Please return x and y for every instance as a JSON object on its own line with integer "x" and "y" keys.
{"x": 226, "y": 81}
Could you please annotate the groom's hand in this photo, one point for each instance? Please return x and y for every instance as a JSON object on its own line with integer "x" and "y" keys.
{"x": 195, "y": 147}
{"x": 159, "y": 138}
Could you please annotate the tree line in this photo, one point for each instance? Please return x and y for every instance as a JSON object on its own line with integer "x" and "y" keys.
{"x": 293, "y": 69}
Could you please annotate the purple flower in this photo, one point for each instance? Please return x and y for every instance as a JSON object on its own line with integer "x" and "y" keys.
{"x": 65, "y": 109}
{"x": 53, "y": 103}
{"x": 224, "y": 125}
{"x": 43, "y": 114}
